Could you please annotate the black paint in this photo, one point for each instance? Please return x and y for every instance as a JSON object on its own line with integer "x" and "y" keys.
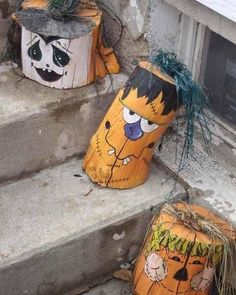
{"x": 35, "y": 52}
{"x": 60, "y": 58}
{"x": 181, "y": 275}
{"x": 48, "y": 76}
{"x": 150, "y": 85}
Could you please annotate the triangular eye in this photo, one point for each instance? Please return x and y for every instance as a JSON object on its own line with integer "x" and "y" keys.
{"x": 35, "y": 52}
{"x": 60, "y": 58}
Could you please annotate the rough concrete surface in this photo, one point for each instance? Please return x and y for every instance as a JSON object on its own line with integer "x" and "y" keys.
{"x": 163, "y": 27}
{"x": 128, "y": 49}
{"x": 40, "y": 126}
{"x": 215, "y": 174}
{"x": 7, "y": 7}
{"x": 113, "y": 287}
{"x": 59, "y": 231}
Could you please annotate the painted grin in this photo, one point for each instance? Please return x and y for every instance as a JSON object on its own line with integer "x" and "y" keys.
{"x": 48, "y": 75}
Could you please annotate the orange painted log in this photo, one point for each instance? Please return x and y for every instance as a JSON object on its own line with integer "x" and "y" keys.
{"x": 121, "y": 150}
{"x": 181, "y": 251}
{"x": 64, "y": 54}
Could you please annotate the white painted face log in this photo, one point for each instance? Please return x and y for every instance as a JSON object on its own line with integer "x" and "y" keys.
{"x": 56, "y": 62}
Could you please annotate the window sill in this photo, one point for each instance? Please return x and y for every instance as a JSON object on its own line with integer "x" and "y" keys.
{"x": 201, "y": 13}
{"x": 226, "y": 8}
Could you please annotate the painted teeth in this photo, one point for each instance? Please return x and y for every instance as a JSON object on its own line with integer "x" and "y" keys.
{"x": 44, "y": 70}
{"x": 49, "y": 70}
{"x": 111, "y": 152}
{"x": 126, "y": 161}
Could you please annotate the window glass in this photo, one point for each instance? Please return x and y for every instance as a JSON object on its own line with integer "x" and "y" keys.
{"x": 219, "y": 76}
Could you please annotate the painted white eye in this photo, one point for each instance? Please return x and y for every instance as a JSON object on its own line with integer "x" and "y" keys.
{"x": 155, "y": 268}
{"x": 148, "y": 126}
{"x": 129, "y": 116}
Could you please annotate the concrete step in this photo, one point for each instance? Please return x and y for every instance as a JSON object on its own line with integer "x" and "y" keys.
{"x": 112, "y": 287}
{"x": 59, "y": 231}
{"x": 40, "y": 126}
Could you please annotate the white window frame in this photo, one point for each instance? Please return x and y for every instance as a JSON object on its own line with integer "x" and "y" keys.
{"x": 192, "y": 41}
{"x": 227, "y": 8}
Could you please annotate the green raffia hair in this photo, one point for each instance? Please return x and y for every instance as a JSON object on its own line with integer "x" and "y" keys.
{"x": 163, "y": 238}
{"x": 189, "y": 94}
{"x": 63, "y": 10}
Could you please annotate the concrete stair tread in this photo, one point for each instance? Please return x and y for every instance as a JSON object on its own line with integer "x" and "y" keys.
{"x": 21, "y": 96}
{"x": 54, "y": 207}
{"x": 42, "y": 126}
{"x": 113, "y": 287}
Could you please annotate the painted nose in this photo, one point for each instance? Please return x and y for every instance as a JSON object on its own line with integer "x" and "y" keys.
{"x": 133, "y": 131}
{"x": 181, "y": 274}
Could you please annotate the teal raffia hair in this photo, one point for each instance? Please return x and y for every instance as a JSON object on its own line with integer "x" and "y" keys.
{"x": 190, "y": 95}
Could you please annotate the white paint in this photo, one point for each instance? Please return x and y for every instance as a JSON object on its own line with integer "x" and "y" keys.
{"x": 164, "y": 26}
{"x": 186, "y": 46}
{"x": 133, "y": 3}
{"x": 206, "y": 16}
{"x": 71, "y": 75}
{"x": 134, "y": 18}
{"x": 118, "y": 237}
{"x": 138, "y": 17}
{"x": 226, "y": 8}
{"x": 140, "y": 21}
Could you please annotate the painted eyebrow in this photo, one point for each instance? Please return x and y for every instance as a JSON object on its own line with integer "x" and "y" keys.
{"x": 32, "y": 40}
{"x": 64, "y": 47}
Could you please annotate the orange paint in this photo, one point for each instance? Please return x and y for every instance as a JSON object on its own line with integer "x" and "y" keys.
{"x": 178, "y": 257}
{"x": 121, "y": 150}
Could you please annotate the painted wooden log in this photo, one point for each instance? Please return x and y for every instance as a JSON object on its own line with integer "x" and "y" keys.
{"x": 179, "y": 256}
{"x": 121, "y": 150}
{"x": 63, "y": 54}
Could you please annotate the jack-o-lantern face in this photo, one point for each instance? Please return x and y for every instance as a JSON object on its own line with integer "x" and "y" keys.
{"x": 178, "y": 257}
{"x": 49, "y": 57}
{"x": 121, "y": 150}
{"x": 55, "y": 61}
{"x": 170, "y": 272}
{"x": 63, "y": 54}
{"x": 179, "y": 274}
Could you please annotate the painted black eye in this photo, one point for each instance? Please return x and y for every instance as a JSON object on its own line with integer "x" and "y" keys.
{"x": 131, "y": 112}
{"x": 60, "y": 58}
{"x": 151, "y": 145}
{"x": 35, "y": 52}
{"x": 150, "y": 123}
{"x": 175, "y": 258}
{"x": 197, "y": 262}
{"x": 108, "y": 125}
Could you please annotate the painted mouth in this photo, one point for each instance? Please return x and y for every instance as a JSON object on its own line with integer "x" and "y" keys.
{"x": 48, "y": 75}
